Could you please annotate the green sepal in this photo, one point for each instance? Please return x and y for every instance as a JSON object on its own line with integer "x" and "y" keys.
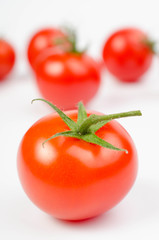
{"x": 95, "y": 127}
{"x": 65, "y": 134}
{"x": 151, "y": 45}
{"x": 90, "y": 138}
{"x": 71, "y": 37}
{"x": 86, "y": 127}
{"x": 82, "y": 114}
{"x": 69, "y": 122}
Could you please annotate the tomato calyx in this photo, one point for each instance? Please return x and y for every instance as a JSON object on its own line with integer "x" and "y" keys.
{"x": 151, "y": 45}
{"x": 85, "y": 127}
{"x": 71, "y": 38}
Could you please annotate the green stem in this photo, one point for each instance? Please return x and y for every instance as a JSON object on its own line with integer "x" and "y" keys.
{"x": 93, "y": 119}
{"x": 85, "y": 127}
{"x": 151, "y": 45}
{"x": 71, "y": 38}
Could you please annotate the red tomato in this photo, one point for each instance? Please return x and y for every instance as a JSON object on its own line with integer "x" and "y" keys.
{"x": 72, "y": 179}
{"x": 126, "y": 54}
{"x": 7, "y": 58}
{"x": 68, "y": 78}
{"x": 43, "y": 40}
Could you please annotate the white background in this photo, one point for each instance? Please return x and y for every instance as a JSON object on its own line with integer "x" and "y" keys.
{"x": 137, "y": 216}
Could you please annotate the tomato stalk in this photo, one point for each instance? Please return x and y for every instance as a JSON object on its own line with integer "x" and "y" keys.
{"x": 93, "y": 119}
{"x": 151, "y": 45}
{"x": 71, "y": 38}
{"x": 85, "y": 127}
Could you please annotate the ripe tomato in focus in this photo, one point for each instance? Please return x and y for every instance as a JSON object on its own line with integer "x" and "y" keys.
{"x": 127, "y": 55}
{"x": 72, "y": 179}
{"x": 7, "y": 58}
{"x": 68, "y": 78}
{"x": 43, "y": 40}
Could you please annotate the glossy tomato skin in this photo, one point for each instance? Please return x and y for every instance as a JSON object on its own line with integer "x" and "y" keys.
{"x": 71, "y": 179}
{"x": 65, "y": 79}
{"x": 43, "y": 40}
{"x": 7, "y": 58}
{"x": 126, "y": 55}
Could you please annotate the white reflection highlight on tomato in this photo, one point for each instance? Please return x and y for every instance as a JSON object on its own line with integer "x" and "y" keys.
{"x": 81, "y": 154}
{"x": 104, "y": 157}
{"x": 45, "y": 154}
{"x": 118, "y": 44}
{"x": 76, "y": 66}
{"x": 112, "y": 155}
{"x": 54, "y": 68}
{"x": 40, "y": 42}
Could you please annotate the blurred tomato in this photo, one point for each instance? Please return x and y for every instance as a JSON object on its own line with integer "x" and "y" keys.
{"x": 67, "y": 78}
{"x": 7, "y": 58}
{"x": 44, "y": 39}
{"x": 128, "y": 54}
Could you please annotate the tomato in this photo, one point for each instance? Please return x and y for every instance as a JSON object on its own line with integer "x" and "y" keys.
{"x": 43, "y": 40}
{"x": 127, "y": 54}
{"x": 67, "y": 78}
{"x": 7, "y": 58}
{"x": 71, "y": 178}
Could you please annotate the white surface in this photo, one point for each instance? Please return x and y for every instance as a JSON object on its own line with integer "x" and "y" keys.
{"x": 137, "y": 216}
